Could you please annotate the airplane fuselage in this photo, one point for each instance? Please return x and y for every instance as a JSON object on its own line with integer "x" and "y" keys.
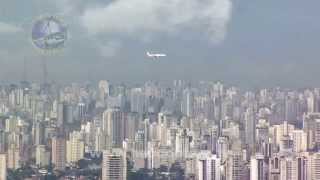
{"x": 155, "y": 55}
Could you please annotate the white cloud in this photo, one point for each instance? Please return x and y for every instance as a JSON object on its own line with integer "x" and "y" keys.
{"x": 74, "y": 7}
{"x": 8, "y": 28}
{"x": 149, "y": 17}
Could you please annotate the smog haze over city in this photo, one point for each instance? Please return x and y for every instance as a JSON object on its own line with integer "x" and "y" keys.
{"x": 159, "y": 90}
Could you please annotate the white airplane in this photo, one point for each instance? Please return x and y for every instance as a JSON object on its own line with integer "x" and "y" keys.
{"x": 155, "y": 55}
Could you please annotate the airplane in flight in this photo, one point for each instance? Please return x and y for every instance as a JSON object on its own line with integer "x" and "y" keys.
{"x": 151, "y": 55}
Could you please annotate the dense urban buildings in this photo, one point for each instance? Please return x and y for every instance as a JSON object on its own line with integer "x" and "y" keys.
{"x": 194, "y": 131}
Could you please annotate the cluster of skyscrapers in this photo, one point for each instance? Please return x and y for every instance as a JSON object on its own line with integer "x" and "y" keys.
{"x": 210, "y": 131}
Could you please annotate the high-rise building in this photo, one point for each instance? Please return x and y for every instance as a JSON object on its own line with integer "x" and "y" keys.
{"x": 291, "y": 110}
{"x": 187, "y": 102}
{"x": 289, "y": 168}
{"x": 3, "y": 166}
{"x": 301, "y": 167}
{"x": 208, "y": 166}
{"x": 234, "y": 169}
{"x": 131, "y": 123}
{"x": 11, "y": 124}
{"x": 82, "y": 110}
{"x": 299, "y": 138}
{"x": 114, "y": 165}
{"x": 281, "y": 132}
{"x": 13, "y": 157}
{"x": 75, "y": 147}
{"x": 68, "y": 113}
{"x": 316, "y": 131}
{"x": 39, "y": 133}
{"x": 222, "y": 148}
{"x": 102, "y": 140}
{"x": 113, "y": 126}
{"x": 311, "y": 103}
{"x": 104, "y": 89}
{"x": 315, "y": 166}
{"x": 2, "y": 141}
{"x": 257, "y": 168}
{"x": 60, "y": 111}
{"x": 59, "y": 153}
{"x": 161, "y": 156}
{"x": 163, "y": 124}
{"x": 274, "y": 168}
{"x": 250, "y": 127}
{"x": 311, "y": 127}
{"x": 262, "y": 137}
{"x": 42, "y": 156}
{"x": 182, "y": 143}
{"x": 137, "y": 100}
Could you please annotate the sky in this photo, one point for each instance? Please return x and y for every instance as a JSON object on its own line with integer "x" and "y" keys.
{"x": 247, "y": 43}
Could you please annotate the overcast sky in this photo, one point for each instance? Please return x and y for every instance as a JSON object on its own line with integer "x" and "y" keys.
{"x": 243, "y": 42}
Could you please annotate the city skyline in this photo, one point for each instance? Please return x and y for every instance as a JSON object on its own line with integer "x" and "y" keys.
{"x": 203, "y": 131}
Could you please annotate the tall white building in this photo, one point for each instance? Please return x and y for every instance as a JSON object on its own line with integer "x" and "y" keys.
{"x": 300, "y": 141}
{"x": 182, "y": 143}
{"x": 257, "y": 170}
{"x": 114, "y": 165}
{"x": 75, "y": 147}
{"x": 3, "y": 166}
{"x": 42, "y": 156}
{"x": 13, "y": 157}
{"x": 187, "y": 102}
{"x": 311, "y": 103}
{"x": 279, "y": 132}
{"x": 101, "y": 140}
